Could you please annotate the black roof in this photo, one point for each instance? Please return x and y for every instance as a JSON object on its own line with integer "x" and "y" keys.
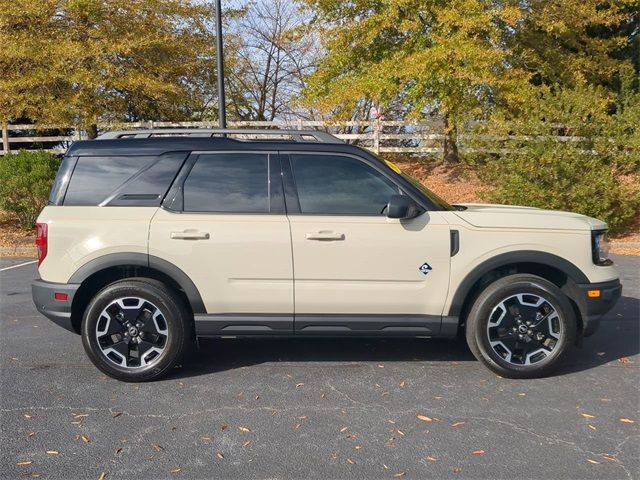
{"x": 159, "y": 145}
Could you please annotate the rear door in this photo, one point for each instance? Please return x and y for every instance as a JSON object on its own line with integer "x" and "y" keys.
{"x": 357, "y": 271}
{"x": 223, "y": 224}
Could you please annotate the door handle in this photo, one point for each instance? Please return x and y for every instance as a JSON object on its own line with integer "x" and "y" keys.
{"x": 190, "y": 235}
{"x": 324, "y": 235}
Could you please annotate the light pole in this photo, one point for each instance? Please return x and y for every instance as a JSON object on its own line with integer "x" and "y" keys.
{"x": 222, "y": 115}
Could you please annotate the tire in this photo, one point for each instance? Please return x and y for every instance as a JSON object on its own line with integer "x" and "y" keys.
{"x": 135, "y": 329}
{"x": 498, "y": 335}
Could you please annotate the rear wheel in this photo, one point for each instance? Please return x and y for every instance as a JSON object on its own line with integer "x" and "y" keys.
{"x": 135, "y": 329}
{"x": 520, "y": 326}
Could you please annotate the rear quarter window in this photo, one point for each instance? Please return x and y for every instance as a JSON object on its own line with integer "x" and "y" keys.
{"x": 131, "y": 180}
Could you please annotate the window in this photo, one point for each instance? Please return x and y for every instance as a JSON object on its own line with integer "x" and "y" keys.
{"x": 95, "y": 178}
{"x": 228, "y": 182}
{"x": 333, "y": 184}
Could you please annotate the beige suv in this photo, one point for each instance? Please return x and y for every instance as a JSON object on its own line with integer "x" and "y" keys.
{"x": 154, "y": 238}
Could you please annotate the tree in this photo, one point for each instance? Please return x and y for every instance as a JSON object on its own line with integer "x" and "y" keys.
{"x": 88, "y": 61}
{"x": 275, "y": 49}
{"x": 440, "y": 61}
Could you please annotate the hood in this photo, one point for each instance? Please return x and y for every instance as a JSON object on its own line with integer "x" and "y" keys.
{"x": 510, "y": 216}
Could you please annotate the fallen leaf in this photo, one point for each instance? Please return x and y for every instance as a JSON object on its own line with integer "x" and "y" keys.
{"x": 600, "y": 354}
{"x": 392, "y": 421}
{"x": 380, "y": 366}
{"x": 220, "y": 455}
{"x": 322, "y": 395}
{"x": 247, "y": 443}
{"x": 424, "y": 418}
{"x": 301, "y": 384}
{"x": 592, "y": 427}
{"x": 627, "y": 420}
{"x": 344, "y": 429}
{"x": 31, "y": 434}
{"x": 358, "y": 447}
{"x": 624, "y": 360}
{"x": 116, "y": 415}
{"x": 457, "y": 424}
{"x": 27, "y": 416}
{"x": 609, "y": 458}
{"x": 399, "y": 474}
{"x": 102, "y": 476}
{"x": 432, "y": 459}
{"x": 478, "y": 453}
{"x": 400, "y": 432}
{"x": 257, "y": 397}
{"x": 402, "y": 384}
{"x": 522, "y": 394}
{"x": 244, "y": 429}
{"x": 274, "y": 413}
{"x": 52, "y": 452}
{"x": 206, "y": 439}
{"x": 298, "y": 425}
{"x": 224, "y": 427}
{"x": 157, "y": 448}
{"x": 586, "y": 415}
{"x": 176, "y": 470}
{"x": 118, "y": 450}
{"x": 593, "y": 461}
{"x": 385, "y": 466}
{"x": 457, "y": 470}
{"x": 350, "y": 462}
{"x": 25, "y": 462}
{"x": 80, "y": 415}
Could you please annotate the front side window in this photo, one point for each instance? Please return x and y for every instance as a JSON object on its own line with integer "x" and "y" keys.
{"x": 340, "y": 185}
{"x": 228, "y": 183}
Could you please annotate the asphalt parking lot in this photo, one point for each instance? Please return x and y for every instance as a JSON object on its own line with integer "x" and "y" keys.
{"x": 277, "y": 409}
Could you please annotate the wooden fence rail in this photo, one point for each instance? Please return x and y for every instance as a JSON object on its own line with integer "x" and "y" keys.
{"x": 379, "y": 136}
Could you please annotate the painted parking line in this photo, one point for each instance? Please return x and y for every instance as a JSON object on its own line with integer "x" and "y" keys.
{"x": 19, "y": 265}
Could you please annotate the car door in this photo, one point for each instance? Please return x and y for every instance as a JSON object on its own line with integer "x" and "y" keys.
{"x": 223, "y": 224}
{"x": 357, "y": 271}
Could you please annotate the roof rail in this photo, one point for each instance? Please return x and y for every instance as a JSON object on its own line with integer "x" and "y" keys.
{"x": 295, "y": 135}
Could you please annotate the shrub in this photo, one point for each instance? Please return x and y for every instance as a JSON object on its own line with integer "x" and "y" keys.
{"x": 25, "y": 181}
{"x": 563, "y": 177}
{"x": 571, "y": 149}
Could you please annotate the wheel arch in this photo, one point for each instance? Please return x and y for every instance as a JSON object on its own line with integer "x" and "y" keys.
{"x": 556, "y": 269}
{"x": 104, "y": 270}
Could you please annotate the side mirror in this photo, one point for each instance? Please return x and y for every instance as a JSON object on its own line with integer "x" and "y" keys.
{"x": 401, "y": 206}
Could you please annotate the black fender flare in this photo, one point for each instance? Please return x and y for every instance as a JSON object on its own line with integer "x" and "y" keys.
{"x": 142, "y": 260}
{"x": 521, "y": 256}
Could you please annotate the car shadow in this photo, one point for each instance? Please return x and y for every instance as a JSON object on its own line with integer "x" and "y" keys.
{"x": 617, "y": 339}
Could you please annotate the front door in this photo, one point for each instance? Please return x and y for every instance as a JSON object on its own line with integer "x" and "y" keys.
{"x": 225, "y": 228}
{"x": 357, "y": 271}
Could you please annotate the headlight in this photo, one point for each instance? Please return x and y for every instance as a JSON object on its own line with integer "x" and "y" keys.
{"x": 600, "y": 248}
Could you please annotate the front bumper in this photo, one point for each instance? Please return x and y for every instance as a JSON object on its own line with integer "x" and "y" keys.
{"x": 59, "y": 311}
{"x": 594, "y": 308}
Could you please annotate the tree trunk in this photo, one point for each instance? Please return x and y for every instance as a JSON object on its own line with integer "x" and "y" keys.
{"x": 450, "y": 143}
{"x": 92, "y": 131}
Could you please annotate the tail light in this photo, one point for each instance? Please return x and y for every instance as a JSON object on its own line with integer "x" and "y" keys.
{"x": 41, "y": 241}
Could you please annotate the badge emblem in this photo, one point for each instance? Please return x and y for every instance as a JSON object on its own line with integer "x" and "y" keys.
{"x": 425, "y": 268}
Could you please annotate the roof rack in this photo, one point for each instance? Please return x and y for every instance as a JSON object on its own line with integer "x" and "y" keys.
{"x": 295, "y": 135}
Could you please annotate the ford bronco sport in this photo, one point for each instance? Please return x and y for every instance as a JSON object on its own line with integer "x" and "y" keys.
{"x": 153, "y": 238}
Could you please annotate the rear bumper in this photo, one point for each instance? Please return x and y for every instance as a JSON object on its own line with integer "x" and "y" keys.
{"x": 594, "y": 308}
{"x": 58, "y": 311}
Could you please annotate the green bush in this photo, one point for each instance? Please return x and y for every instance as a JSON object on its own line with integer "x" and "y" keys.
{"x": 562, "y": 176}
{"x": 570, "y": 149}
{"x": 25, "y": 181}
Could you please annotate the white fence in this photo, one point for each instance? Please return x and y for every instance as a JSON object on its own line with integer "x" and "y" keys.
{"x": 379, "y": 136}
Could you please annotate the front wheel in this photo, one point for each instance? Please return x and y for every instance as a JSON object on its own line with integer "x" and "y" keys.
{"x": 520, "y": 326}
{"x": 135, "y": 329}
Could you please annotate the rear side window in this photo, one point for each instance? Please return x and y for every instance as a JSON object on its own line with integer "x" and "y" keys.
{"x": 128, "y": 180}
{"x": 95, "y": 178}
{"x": 228, "y": 183}
{"x": 340, "y": 185}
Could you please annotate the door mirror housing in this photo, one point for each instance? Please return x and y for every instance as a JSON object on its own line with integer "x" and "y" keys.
{"x": 401, "y": 206}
